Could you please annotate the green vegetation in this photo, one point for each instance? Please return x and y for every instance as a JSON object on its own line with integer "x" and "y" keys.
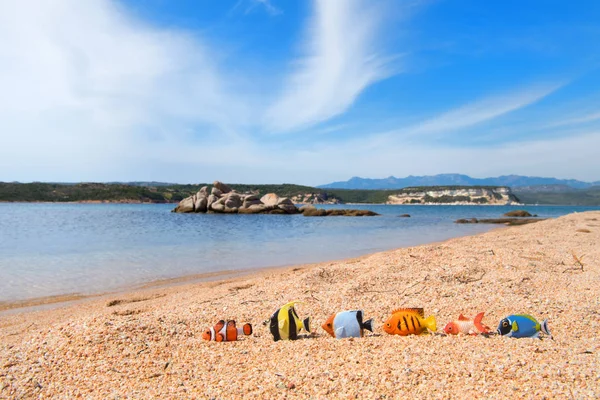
{"x": 580, "y": 197}
{"x": 115, "y": 192}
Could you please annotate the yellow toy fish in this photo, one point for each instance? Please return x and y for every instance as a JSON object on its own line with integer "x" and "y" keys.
{"x": 285, "y": 323}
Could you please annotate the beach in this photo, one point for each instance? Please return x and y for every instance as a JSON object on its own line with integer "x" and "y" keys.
{"x": 147, "y": 344}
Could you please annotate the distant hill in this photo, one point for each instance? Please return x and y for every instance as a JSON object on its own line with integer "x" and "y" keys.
{"x": 512, "y": 181}
{"x": 556, "y": 196}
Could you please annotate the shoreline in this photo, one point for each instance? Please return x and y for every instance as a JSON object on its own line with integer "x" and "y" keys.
{"x": 34, "y": 304}
{"x": 147, "y": 343}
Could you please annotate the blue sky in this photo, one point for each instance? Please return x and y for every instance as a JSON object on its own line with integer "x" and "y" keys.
{"x": 307, "y": 92}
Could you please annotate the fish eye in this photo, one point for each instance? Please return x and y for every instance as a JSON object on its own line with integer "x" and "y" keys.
{"x": 505, "y": 323}
{"x": 388, "y": 325}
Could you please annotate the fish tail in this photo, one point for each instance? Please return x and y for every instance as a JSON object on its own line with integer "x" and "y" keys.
{"x": 306, "y": 324}
{"x": 430, "y": 323}
{"x": 545, "y": 329}
{"x": 480, "y": 327}
{"x": 245, "y": 330}
{"x": 368, "y": 325}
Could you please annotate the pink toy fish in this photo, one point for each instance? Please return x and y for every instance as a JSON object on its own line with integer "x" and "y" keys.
{"x": 467, "y": 326}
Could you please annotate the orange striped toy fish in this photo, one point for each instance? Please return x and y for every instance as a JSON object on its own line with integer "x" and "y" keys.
{"x": 467, "y": 326}
{"x": 226, "y": 332}
{"x": 409, "y": 321}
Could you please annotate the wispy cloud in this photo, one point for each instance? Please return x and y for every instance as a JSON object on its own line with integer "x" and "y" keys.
{"x": 342, "y": 59}
{"x": 482, "y": 110}
{"x": 582, "y": 119}
{"x": 250, "y": 5}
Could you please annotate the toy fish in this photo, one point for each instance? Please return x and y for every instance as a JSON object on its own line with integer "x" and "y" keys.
{"x": 523, "y": 325}
{"x": 226, "y": 332}
{"x": 409, "y": 321}
{"x": 347, "y": 324}
{"x": 285, "y": 323}
{"x": 467, "y": 326}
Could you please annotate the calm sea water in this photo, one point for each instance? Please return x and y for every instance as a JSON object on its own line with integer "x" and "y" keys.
{"x": 51, "y": 249}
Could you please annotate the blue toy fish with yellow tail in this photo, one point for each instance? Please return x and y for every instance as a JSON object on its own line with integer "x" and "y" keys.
{"x": 285, "y": 323}
{"x": 523, "y": 325}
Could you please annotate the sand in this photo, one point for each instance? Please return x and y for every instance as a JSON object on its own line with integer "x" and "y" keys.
{"x": 148, "y": 344}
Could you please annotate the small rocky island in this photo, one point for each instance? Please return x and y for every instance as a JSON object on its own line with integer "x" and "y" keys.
{"x": 223, "y": 199}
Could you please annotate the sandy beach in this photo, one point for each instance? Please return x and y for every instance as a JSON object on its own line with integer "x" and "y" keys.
{"x": 148, "y": 344}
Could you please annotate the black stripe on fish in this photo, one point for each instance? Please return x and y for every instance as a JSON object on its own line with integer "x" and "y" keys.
{"x": 274, "y": 326}
{"x": 418, "y": 322}
{"x": 412, "y": 321}
{"x": 399, "y": 325}
{"x": 293, "y": 331}
{"x": 405, "y": 323}
{"x": 359, "y": 318}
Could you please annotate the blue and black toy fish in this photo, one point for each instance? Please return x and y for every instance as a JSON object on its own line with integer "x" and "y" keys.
{"x": 347, "y": 324}
{"x": 523, "y": 325}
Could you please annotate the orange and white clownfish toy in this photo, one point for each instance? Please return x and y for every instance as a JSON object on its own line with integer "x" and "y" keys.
{"x": 226, "y": 332}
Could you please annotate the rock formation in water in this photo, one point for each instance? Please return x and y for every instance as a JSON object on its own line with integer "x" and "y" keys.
{"x": 223, "y": 199}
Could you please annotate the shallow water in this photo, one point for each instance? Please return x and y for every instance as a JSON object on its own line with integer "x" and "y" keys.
{"x": 52, "y": 249}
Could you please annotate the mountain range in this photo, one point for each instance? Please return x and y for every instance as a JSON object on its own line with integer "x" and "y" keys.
{"x": 512, "y": 181}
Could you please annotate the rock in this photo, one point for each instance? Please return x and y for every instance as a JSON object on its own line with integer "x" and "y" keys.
{"x": 201, "y": 204}
{"x": 277, "y": 211}
{"x": 233, "y": 200}
{"x": 466, "y": 221}
{"x": 210, "y": 200}
{"x": 517, "y": 213}
{"x": 249, "y": 203}
{"x": 203, "y": 191}
{"x": 404, "y": 216}
{"x": 185, "y": 206}
{"x": 306, "y": 207}
{"x": 221, "y": 186}
{"x": 270, "y": 199}
{"x": 287, "y": 205}
{"x": 218, "y": 207}
{"x": 312, "y": 211}
{"x": 216, "y": 192}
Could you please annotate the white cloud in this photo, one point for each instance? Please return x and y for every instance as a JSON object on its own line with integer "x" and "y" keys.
{"x": 85, "y": 86}
{"x": 482, "y": 110}
{"x": 342, "y": 60}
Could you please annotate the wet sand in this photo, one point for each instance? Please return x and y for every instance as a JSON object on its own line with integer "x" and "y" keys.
{"x": 147, "y": 344}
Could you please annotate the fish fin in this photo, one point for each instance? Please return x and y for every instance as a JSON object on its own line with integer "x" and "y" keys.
{"x": 430, "y": 323}
{"x": 306, "y": 324}
{"x": 418, "y": 311}
{"x": 247, "y": 329}
{"x": 282, "y": 323}
{"x": 291, "y": 304}
{"x": 480, "y": 327}
{"x": 339, "y": 332}
{"x": 219, "y": 337}
{"x": 544, "y": 328}
{"x": 462, "y": 318}
{"x": 515, "y": 326}
{"x": 368, "y": 325}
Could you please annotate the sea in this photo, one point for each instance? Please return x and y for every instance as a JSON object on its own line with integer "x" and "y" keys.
{"x": 49, "y": 249}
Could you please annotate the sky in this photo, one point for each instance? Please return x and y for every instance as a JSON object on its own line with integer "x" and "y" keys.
{"x": 297, "y": 91}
